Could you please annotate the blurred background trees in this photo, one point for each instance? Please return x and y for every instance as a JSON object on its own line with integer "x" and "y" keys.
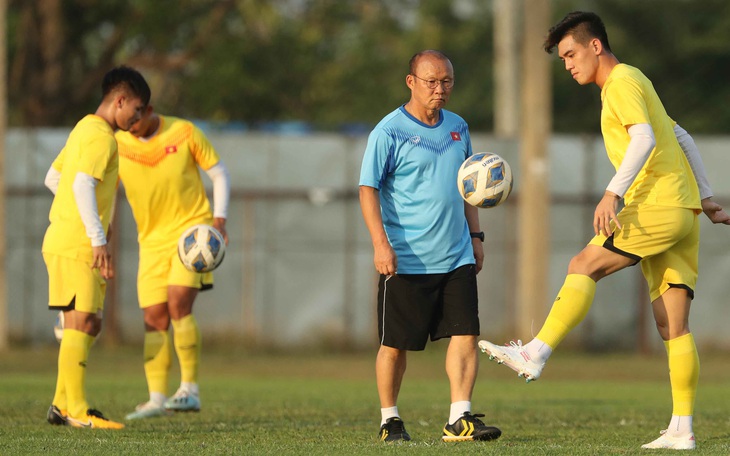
{"x": 338, "y": 63}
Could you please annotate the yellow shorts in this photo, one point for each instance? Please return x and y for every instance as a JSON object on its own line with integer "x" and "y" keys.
{"x": 160, "y": 267}
{"x": 664, "y": 239}
{"x": 73, "y": 284}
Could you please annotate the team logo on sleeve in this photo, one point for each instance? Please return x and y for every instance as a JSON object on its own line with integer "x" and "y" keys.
{"x": 455, "y": 136}
{"x": 173, "y": 149}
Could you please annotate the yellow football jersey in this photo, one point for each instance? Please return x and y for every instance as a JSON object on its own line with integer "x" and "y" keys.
{"x": 90, "y": 149}
{"x": 666, "y": 179}
{"x": 162, "y": 181}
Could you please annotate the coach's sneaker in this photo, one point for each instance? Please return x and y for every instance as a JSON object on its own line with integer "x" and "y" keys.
{"x": 469, "y": 427}
{"x": 56, "y": 416}
{"x": 183, "y": 401}
{"x": 393, "y": 430}
{"x": 515, "y": 357}
{"x": 148, "y": 409}
{"x": 685, "y": 442}
{"x": 95, "y": 420}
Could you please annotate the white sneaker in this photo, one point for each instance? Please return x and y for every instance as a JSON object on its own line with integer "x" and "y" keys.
{"x": 515, "y": 357}
{"x": 183, "y": 401}
{"x": 148, "y": 409}
{"x": 685, "y": 442}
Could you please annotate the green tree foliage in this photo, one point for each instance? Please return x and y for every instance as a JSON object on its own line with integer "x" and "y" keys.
{"x": 333, "y": 62}
{"x": 683, "y": 46}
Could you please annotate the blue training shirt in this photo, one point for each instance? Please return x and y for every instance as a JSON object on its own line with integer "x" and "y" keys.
{"x": 414, "y": 168}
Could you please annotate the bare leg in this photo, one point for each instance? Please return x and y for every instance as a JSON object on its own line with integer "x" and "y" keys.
{"x": 390, "y": 366}
{"x": 462, "y": 366}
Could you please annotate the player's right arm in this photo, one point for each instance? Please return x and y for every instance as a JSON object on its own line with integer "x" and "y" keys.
{"x": 53, "y": 176}
{"x": 385, "y": 259}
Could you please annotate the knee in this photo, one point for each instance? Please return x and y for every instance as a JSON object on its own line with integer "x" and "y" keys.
{"x": 391, "y": 354}
{"x": 95, "y": 327}
{"x": 156, "y": 321}
{"x": 582, "y": 264}
{"x": 668, "y": 332}
{"x": 577, "y": 265}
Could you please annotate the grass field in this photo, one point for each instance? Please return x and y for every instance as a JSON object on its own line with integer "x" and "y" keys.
{"x": 326, "y": 404}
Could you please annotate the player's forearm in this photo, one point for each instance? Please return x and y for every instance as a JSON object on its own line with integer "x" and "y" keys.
{"x": 637, "y": 153}
{"x": 221, "y": 189}
{"x": 85, "y": 195}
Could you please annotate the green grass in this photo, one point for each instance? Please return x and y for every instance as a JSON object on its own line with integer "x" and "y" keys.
{"x": 326, "y": 404}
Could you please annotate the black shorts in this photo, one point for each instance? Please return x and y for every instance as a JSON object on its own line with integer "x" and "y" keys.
{"x": 412, "y": 307}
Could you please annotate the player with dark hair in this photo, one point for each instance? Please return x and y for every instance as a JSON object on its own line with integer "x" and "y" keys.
{"x": 427, "y": 259}
{"x": 159, "y": 159}
{"x": 83, "y": 179}
{"x": 662, "y": 181}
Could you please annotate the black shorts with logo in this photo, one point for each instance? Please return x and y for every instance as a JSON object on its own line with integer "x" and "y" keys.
{"x": 412, "y": 307}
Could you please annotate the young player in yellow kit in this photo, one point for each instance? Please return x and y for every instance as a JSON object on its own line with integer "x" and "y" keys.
{"x": 83, "y": 179}
{"x": 660, "y": 176}
{"x": 159, "y": 159}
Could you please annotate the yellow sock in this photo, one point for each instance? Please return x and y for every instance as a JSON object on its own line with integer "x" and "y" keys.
{"x": 72, "y": 358}
{"x": 684, "y": 373}
{"x": 157, "y": 360}
{"x": 187, "y": 346}
{"x": 59, "y": 397}
{"x": 570, "y": 308}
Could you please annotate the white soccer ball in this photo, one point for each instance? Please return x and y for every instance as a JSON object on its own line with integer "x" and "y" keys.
{"x": 484, "y": 180}
{"x": 201, "y": 248}
{"x": 58, "y": 327}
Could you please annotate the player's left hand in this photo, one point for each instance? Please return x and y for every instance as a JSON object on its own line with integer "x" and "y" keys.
{"x": 219, "y": 224}
{"x": 714, "y": 212}
{"x": 102, "y": 259}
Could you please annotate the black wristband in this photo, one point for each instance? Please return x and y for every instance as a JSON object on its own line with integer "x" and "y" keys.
{"x": 479, "y": 235}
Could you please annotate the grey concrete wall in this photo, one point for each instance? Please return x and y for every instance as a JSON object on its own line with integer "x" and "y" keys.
{"x": 298, "y": 269}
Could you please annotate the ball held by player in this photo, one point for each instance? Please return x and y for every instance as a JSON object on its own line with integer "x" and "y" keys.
{"x": 201, "y": 248}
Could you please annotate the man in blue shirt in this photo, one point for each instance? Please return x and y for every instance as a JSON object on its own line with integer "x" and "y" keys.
{"x": 427, "y": 243}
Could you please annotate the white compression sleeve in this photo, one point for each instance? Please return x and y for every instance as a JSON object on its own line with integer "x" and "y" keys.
{"x": 695, "y": 160}
{"x": 221, "y": 189}
{"x": 640, "y": 147}
{"x": 53, "y": 177}
{"x": 84, "y": 191}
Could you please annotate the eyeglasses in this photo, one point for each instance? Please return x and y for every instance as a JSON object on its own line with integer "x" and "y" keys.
{"x": 433, "y": 83}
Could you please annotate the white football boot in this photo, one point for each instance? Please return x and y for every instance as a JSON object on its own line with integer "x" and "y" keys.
{"x": 515, "y": 357}
{"x": 685, "y": 442}
{"x": 183, "y": 401}
{"x": 148, "y": 409}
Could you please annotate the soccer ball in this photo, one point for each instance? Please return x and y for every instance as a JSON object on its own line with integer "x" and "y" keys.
{"x": 484, "y": 180}
{"x": 58, "y": 327}
{"x": 201, "y": 248}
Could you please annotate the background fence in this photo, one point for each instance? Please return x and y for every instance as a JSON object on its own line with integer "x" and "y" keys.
{"x": 299, "y": 264}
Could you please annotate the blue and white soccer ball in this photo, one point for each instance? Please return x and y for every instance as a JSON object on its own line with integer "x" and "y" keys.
{"x": 484, "y": 180}
{"x": 201, "y": 248}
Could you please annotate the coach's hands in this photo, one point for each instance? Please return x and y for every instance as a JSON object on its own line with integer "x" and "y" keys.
{"x": 102, "y": 259}
{"x": 714, "y": 212}
{"x": 386, "y": 261}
